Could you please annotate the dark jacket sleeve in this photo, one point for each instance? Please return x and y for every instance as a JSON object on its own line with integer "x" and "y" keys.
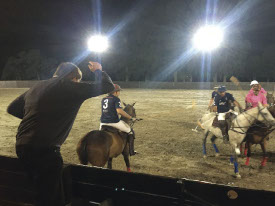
{"x": 16, "y": 108}
{"x": 103, "y": 85}
{"x": 216, "y": 101}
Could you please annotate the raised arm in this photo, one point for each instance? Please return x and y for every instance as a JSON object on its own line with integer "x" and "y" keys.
{"x": 16, "y": 108}
{"x": 103, "y": 84}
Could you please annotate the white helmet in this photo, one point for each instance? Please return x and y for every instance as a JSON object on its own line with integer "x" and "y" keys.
{"x": 254, "y": 82}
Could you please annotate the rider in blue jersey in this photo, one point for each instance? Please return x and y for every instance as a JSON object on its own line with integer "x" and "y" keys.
{"x": 110, "y": 110}
{"x": 222, "y": 106}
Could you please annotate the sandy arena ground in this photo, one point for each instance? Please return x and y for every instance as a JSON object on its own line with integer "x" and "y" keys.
{"x": 164, "y": 139}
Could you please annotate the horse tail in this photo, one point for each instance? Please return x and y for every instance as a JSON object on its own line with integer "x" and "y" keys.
{"x": 81, "y": 150}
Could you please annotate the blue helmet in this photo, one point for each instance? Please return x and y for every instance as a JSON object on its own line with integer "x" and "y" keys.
{"x": 222, "y": 89}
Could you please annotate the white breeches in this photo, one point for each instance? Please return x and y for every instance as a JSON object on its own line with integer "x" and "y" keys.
{"x": 221, "y": 116}
{"x": 121, "y": 125}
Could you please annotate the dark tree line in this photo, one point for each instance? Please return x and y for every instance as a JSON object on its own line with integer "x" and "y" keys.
{"x": 152, "y": 44}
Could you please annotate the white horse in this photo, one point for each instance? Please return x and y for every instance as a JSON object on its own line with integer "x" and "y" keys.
{"x": 237, "y": 131}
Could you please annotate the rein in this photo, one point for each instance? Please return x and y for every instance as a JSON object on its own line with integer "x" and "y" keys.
{"x": 243, "y": 132}
{"x": 127, "y": 121}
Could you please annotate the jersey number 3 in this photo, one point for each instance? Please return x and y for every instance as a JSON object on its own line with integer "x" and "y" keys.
{"x": 105, "y": 105}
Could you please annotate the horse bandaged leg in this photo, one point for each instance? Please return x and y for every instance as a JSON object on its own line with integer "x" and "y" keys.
{"x": 237, "y": 150}
{"x": 131, "y": 137}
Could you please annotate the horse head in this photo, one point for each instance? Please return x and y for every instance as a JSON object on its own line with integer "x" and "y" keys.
{"x": 265, "y": 115}
{"x": 129, "y": 109}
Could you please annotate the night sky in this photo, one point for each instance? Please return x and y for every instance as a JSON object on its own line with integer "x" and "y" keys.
{"x": 60, "y": 28}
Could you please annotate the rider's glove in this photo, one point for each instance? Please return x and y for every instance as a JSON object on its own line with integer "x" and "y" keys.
{"x": 236, "y": 113}
{"x": 133, "y": 119}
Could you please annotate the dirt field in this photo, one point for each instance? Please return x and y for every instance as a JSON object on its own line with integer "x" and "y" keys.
{"x": 164, "y": 139}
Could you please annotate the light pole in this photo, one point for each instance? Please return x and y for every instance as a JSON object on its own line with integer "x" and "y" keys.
{"x": 205, "y": 40}
{"x": 98, "y": 44}
{"x": 208, "y": 38}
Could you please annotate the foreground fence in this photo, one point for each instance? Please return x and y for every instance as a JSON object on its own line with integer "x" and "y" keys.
{"x": 89, "y": 186}
{"x": 155, "y": 85}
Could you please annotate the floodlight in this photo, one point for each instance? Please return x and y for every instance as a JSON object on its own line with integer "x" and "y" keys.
{"x": 98, "y": 43}
{"x": 208, "y": 38}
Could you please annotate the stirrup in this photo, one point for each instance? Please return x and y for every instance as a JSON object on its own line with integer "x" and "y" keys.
{"x": 225, "y": 139}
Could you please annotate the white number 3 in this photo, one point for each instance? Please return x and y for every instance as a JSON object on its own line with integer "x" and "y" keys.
{"x": 105, "y": 105}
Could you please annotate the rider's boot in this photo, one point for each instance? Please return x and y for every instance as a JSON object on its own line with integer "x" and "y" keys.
{"x": 223, "y": 126}
{"x": 131, "y": 137}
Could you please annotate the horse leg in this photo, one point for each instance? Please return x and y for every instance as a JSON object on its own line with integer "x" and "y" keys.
{"x": 236, "y": 166}
{"x": 204, "y": 144}
{"x": 246, "y": 148}
{"x": 263, "y": 146}
{"x": 249, "y": 144}
{"x": 109, "y": 166}
{"x": 126, "y": 160}
{"x": 213, "y": 139}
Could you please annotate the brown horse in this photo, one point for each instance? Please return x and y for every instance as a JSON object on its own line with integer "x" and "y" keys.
{"x": 100, "y": 146}
{"x": 258, "y": 134}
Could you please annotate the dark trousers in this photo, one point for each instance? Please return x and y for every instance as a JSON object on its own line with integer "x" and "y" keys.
{"x": 44, "y": 168}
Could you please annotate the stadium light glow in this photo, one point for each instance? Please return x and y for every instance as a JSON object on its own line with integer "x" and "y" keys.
{"x": 98, "y": 43}
{"x": 208, "y": 38}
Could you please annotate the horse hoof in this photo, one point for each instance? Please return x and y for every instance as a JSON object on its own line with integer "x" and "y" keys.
{"x": 262, "y": 167}
{"x": 238, "y": 176}
{"x": 204, "y": 156}
{"x": 217, "y": 154}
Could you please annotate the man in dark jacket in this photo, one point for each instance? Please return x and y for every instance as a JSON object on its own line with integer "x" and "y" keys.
{"x": 48, "y": 111}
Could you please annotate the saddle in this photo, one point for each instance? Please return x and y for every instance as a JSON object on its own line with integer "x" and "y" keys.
{"x": 107, "y": 128}
{"x": 228, "y": 119}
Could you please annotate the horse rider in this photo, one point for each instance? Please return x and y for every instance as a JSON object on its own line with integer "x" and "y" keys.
{"x": 212, "y": 100}
{"x": 110, "y": 109}
{"x": 48, "y": 110}
{"x": 255, "y": 85}
{"x": 222, "y": 106}
{"x": 255, "y": 95}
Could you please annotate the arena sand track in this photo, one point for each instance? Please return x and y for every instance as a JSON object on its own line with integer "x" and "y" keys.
{"x": 164, "y": 139}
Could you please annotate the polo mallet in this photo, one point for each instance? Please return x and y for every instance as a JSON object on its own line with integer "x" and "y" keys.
{"x": 195, "y": 130}
{"x": 236, "y": 82}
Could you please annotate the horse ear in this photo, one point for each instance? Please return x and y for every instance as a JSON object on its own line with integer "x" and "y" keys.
{"x": 133, "y": 104}
{"x": 124, "y": 104}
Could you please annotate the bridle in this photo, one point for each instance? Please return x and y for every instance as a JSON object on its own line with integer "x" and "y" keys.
{"x": 259, "y": 113}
